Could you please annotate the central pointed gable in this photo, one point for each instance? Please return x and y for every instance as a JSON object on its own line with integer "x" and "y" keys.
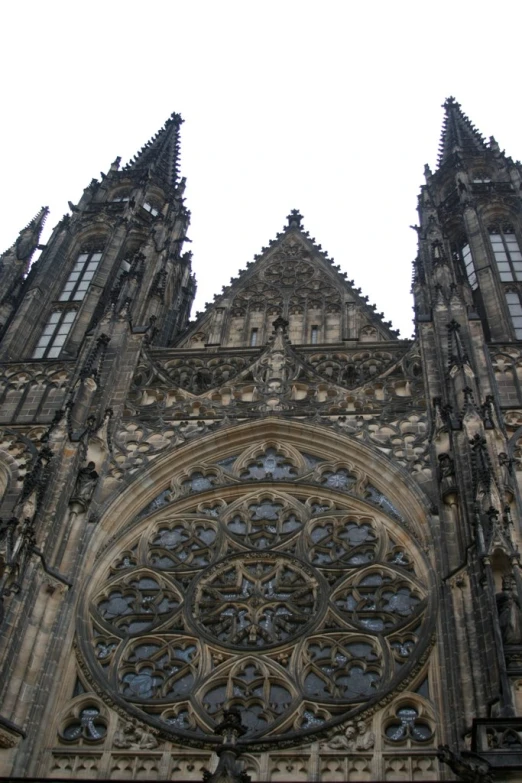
{"x": 293, "y": 279}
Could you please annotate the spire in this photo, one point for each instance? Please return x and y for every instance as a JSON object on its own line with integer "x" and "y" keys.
{"x": 458, "y": 132}
{"x": 28, "y": 238}
{"x": 161, "y": 153}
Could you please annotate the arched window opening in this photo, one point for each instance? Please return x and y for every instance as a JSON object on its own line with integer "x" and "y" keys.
{"x": 148, "y": 206}
{"x": 81, "y": 276}
{"x": 507, "y": 253}
{"x": 54, "y": 335}
{"x": 481, "y": 177}
{"x": 515, "y": 311}
{"x": 253, "y": 572}
{"x": 462, "y": 252}
{"x": 119, "y": 196}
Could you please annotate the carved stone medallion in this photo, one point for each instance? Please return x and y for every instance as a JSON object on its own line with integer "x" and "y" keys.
{"x": 255, "y": 602}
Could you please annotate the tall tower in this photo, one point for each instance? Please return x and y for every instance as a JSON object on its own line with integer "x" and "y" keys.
{"x": 119, "y": 249}
{"x": 469, "y": 317}
{"x": 278, "y": 524}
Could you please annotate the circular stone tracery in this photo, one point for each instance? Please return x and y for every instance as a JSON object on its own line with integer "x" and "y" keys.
{"x": 307, "y": 624}
{"x": 255, "y": 602}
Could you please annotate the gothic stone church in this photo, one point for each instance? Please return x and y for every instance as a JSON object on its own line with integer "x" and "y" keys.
{"x": 279, "y": 517}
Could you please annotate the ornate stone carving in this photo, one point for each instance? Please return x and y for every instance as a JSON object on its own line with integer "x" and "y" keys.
{"x": 509, "y": 612}
{"x": 254, "y": 602}
{"x": 10, "y": 734}
{"x": 85, "y": 484}
{"x": 133, "y": 736}
{"x": 272, "y": 580}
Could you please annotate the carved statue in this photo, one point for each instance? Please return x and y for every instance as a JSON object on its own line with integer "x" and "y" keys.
{"x": 135, "y": 738}
{"x": 354, "y": 738}
{"x": 202, "y": 380}
{"x": 446, "y": 467}
{"x": 85, "y": 483}
{"x": 365, "y": 739}
{"x": 35, "y": 482}
{"x": 344, "y": 740}
{"x": 509, "y": 612}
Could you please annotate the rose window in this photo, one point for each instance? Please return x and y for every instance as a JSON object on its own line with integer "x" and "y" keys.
{"x": 302, "y": 606}
{"x": 254, "y": 602}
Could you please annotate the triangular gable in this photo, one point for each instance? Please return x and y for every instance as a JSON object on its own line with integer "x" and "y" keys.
{"x": 293, "y": 279}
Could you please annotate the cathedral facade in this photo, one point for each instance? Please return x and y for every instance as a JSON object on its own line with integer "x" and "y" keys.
{"x": 279, "y": 512}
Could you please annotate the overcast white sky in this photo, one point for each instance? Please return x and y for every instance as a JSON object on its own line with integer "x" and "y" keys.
{"x": 330, "y": 107}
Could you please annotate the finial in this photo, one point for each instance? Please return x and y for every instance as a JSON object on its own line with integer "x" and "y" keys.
{"x": 294, "y": 219}
{"x": 451, "y": 101}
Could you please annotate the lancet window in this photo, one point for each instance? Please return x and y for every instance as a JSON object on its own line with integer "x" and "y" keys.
{"x": 154, "y": 211}
{"x": 507, "y": 252}
{"x": 80, "y": 278}
{"x": 469, "y": 265}
{"x": 515, "y": 311}
{"x": 54, "y": 335}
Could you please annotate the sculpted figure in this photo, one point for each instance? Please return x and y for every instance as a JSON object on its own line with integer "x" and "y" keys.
{"x": 509, "y": 612}
{"x": 344, "y": 740}
{"x": 446, "y": 467}
{"x": 85, "y": 482}
{"x": 365, "y": 739}
{"x": 134, "y": 738}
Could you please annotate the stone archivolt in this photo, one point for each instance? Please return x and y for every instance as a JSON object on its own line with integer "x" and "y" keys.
{"x": 272, "y": 580}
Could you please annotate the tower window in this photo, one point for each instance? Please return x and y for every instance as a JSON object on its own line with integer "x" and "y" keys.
{"x": 150, "y": 208}
{"x": 122, "y": 196}
{"x": 253, "y": 337}
{"x": 314, "y": 332}
{"x": 124, "y": 269}
{"x": 54, "y": 334}
{"x": 507, "y": 253}
{"x": 515, "y": 311}
{"x": 467, "y": 258}
{"x": 79, "y": 280}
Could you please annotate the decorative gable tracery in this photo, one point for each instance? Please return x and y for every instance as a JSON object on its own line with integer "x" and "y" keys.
{"x": 294, "y": 280}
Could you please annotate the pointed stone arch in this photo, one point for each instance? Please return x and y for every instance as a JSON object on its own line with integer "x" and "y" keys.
{"x": 331, "y": 550}
{"x": 384, "y": 474}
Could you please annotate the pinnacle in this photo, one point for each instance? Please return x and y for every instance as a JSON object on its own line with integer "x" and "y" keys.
{"x": 161, "y": 153}
{"x": 29, "y": 236}
{"x": 458, "y": 133}
{"x": 294, "y": 219}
